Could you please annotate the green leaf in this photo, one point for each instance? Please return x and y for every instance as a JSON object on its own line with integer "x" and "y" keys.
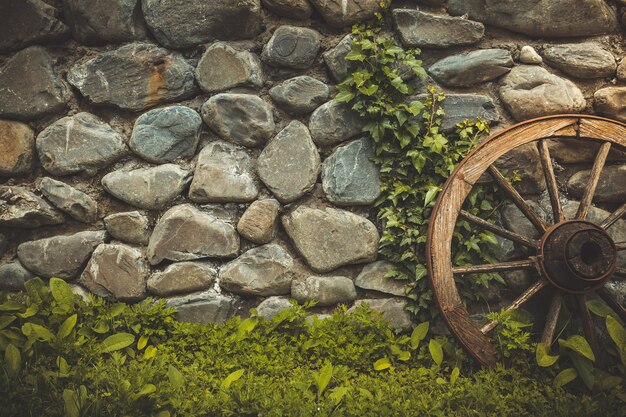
{"x": 344, "y": 96}
{"x": 62, "y": 294}
{"x": 542, "y": 356}
{"x": 565, "y": 377}
{"x": 434, "y": 347}
{"x": 6, "y": 320}
{"x": 150, "y": 352}
{"x": 382, "y": 364}
{"x": 66, "y": 327}
{"x": 30, "y": 311}
{"x": 432, "y": 192}
{"x": 38, "y": 331}
{"x": 355, "y": 55}
{"x": 607, "y": 383}
{"x": 116, "y": 342}
{"x": 11, "y": 306}
{"x": 71, "y": 403}
{"x": 36, "y": 289}
{"x": 419, "y": 333}
{"x": 337, "y": 394}
{"x": 146, "y": 390}
{"x": 585, "y": 369}
{"x": 246, "y": 326}
{"x": 234, "y": 376}
{"x": 455, "y": 374}
{"x": 323, "y": 378}
{"x": 13, "y": 359}
{"x": 579, "y": 345}
{"x": 101, "y": 328}
{"x": 616, "y": 331}
{"x": 176, "y": 377}
{"x": 599, "y": 308}
{"x": 143, "y": 341}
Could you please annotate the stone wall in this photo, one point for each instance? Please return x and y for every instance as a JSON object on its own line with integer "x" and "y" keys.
{"x": 190, "y": 149}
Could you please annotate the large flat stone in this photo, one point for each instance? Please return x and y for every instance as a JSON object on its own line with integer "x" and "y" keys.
{"x": 300, "y": 95}
{"x": 68, "y": 199}
{"x": 182, "y": 277}
{"x": 333, "y": 123}
{"x": 205, "y": 309}
{"x": 131, "y": 227}
{"x": 223, "y": 67}
{"x": 469, "y": 68}
{"x": 611, "y": 102}
{"x": 17, "y": 148}
{"x": 417, "y": 28}
{"x": 610, "y": 188}
{"x": 581, "y": 60}
{"x": 292, "y": 47}
{"x": 325, "y": 291}
{"x": 460, "y": 107}
{"x": 20, "y": 208}
{"x": 341, "y": 13}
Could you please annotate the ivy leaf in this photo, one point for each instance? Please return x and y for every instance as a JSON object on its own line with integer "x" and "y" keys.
{"x": 432, "y": 192}
{"x": 117, "y": 342}
{"x": 579, "y": 345}
{"x": 368, "y": 91}
{"x": 434, "y": 347}
{"x": 565, "y": 377}
{"x": 542, "y": 356}
{"x": 344, "y": 97}
{"x": 355, "y": 55}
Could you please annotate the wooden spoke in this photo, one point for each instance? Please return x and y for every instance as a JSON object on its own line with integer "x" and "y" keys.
{"x": 612, "y": 302}
{"x": 553, "y": 190}
{"x": 613, "y": 217}
{"x": 539, "y": 224}
{"x": 499, "y": 267}
{"x": 534, "y": 289}
{"x": 522, "y": 240}
{"x": 553, "y": 316}
{"x": 588, "y": 326}
{"x": 620, "y": 246}
{"x": 585, "y": 202}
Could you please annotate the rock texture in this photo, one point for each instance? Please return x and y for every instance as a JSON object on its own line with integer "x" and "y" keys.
{"x": 525, "y": 159}
{"x": 271, "y": 306}
{"x": 581, "y": 60}
{"x": 471, "y": 68}
{"x": 68, "y": 199}
{"x": 292, "y": 47}
{"x": 182, "y": 277}
{"x": 17, "y": 148}
{"x": 258, "y": 222}
{"x": 131, "y": 227}
{"x": 392, "y": 310}
{"x": 13, "y": 276}
{"x": 333, "y": 123}
{"x": 607, "y": 190}
{"x": 375, "y": 277}
{"x": 294, "y": 9}
{"x": 223, "y": 67}
{"x": 21, "y": 208}
{"x": 326, "y": 291}
{"x": 528, "y": 55}
{"x": 300, "y": 95}
{"x": 213, "y": 309}
{"x": 611, "y": 102}
{"x": 335, "y": 59}
{"x": 459, "y": 107}
{"x": 344, "y": 13}
{"x": 417, "y": 28}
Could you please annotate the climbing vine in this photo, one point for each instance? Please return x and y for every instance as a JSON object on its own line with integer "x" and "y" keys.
{"x": 415, "y": 157}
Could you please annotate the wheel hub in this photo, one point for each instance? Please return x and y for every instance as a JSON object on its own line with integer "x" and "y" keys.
{"x": 577, "y": 256}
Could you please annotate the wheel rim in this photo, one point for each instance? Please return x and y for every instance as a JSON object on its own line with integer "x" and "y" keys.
{"x": 573, "y": 256}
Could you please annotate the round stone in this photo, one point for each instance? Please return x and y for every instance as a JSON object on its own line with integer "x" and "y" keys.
{"x": 17, "y": 148}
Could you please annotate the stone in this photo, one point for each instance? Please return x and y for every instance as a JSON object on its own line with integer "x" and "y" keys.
{"x": 621, "y": 70}
{"x": 131, "y": 227}
{"x": 581, "y": 60}
{"x": 525, "y": 159}
{"x": 574, "y": 151}
{"x": 420, "y": 29}
{"x": 541, "y": 18}
{"x": 184, "y": 233}
{"x": 262, "y": 271}
{"x": 68, "y": 199}
{"x": 224, "y": 174}
{"x": 325, "y": 291}
{"x": 336, "y": 61}
{"x": 460, "y": 107}
{"x": 329, "y": 238}
{"x": 148, "y": 188}
{"x": 210, "y": 309}
{"x": 134, "y": 77}
{"x": 32, "y": 94}
{"x": 79, "y": 143}
{"x": 271, "y": 306}
{"x": 13, "y": 276}
{"x": 514, "y": 220}
{"x": 166, "y": 134}
{"x": 59, "y": 256}
{"x": 469, "y": 68}
{"x": 528, "y": 55}
{"x": 349, "y": 177}
{"x": 243, "y": 119}
{"x": 4, "y": 244}
{"x": 22, "y": 209}
{"x": 99, "y": 23}
{"x": 292, "y": 47}
{"x": 258, "y": 222}
{"x": 374, "y": 277}
{"x": 530, "y": 91}
{"x": 116, "y": 271}
{"x": 333, "y": 123}
{"x": 289, "y": 164}
{"x": 187, "y": 23}
{"x": 293, "y": 9}
{"x": 182, "y": 277}
{"x": 27, "y": 22}
{"x": 611, "y": 102}
{"x": 610, "y": 186}
{"x": 223, "y": 67}
{"x": 393, "y": 310}
{"x": 300, "y": 95}
{"x": 17, "y": 148}
{"x": 340, "y": 14}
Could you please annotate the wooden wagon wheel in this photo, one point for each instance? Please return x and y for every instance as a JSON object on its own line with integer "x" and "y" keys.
{"x": 574, "y": 257}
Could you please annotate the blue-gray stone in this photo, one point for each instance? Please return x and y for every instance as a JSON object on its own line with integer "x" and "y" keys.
{"x": 471, "y": 68}
{"x": 13, "y": 276}
{"x": 459, "y": 107}
{"x": 292, "y": 47}
{"x": 300, "y": 95}
{"x": 68, "y": 199}
{"x": 417, "y": 28}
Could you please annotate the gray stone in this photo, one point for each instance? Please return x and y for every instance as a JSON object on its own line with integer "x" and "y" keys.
{"x": 223, "y": 67}
{"x": 271, "y": 306}
{"x": 243, "y": 119}
{"x": 17, "y": 148}
{"x": 13, "y": 276}
{"x": 326, "y": 291}
{"x": 59, "y": 256}
{"x": 262, "y": 271}
{"x": 4, "y": 244}
{"x": 98, "y": 23}
{"x": 344, "y": 13}
{"x": 77, "y": 204}
{"x": 471, "y": 68}
{"x": 421, "y": 29}
{"x": 528, "y": 55}
{"x": 530, "y": 91}
{"x": 187, "y": 23}
{"x": 333, "y": 123}
{"x": 294, "y": 9}
{"x": 134, "y": 77}
{"x": 393, "y": 310}
{"x": 116, "y": 271}
{"x": 581, "y": 60}
{"x": 300, "y": 95}
{"x": 28, "y": 22}
{"x": 22, "y": 209}
{"x": 580, "y": 151}
{"x": 182, "y": 277}
{"x": 611, "y": 102}
{"x": 166, "y": 134}
{"x": 349, "y": 177}
{"x": 212, "y": 309}
{"x": 292, "y": 47}
{"x": 184, "y": 233}
{"x": 460, "y": 107}
{"x": 541, "y": 18}
{"x": 258, "y": 222}
{"x": 289, "y": 164}
{"x": 329, "y": 238}
{"x": 374, "y": 277}
{"x": 525, "y": 160}
{"x": 621, "y": 70}
{"x": 131, "y": 227}
{"x": 148, "y": 188}
{"x": 610, "y": 188}
{"x": 32, "y": 94}
{"x": 514, "y": 220}
{"x": 79, "y": 143}
{"x": 336, "y": 61}
{"x": 224, "y": 174}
